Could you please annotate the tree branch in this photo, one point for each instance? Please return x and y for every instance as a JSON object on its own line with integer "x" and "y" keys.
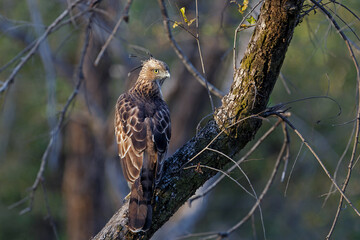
{"x": 49, "y": 29}
{"x": 189, "y": 66}
{"x": 235, "y": 124}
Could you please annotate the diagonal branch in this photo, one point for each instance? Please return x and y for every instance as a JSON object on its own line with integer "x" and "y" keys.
{"x": 50, "y": 28}
{"x": 189, "y": 66}
{"x": 248, "y": 96}
{"x": 124, "y": 17}
{"x": 56, "y": 130}
{"x": 357, "y": 126}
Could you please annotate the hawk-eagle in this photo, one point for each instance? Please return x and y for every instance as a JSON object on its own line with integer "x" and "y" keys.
{"x": 142, "y": 129}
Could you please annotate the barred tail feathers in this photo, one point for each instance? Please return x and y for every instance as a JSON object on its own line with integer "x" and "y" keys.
{"x": 140, "y": 209}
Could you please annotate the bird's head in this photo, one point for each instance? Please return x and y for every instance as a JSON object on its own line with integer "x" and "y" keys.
{"x": 154, "y": 70}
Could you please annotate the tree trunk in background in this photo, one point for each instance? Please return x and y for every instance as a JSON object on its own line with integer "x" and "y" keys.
{"x": 85, "y": 138}
{"x": 193, "y": 95}
{"x": 82, "y": 181}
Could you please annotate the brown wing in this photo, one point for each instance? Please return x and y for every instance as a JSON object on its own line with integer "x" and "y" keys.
{"x": 130, "y": 130}
{"x": 161, "y": 129}
{"x": 131, "y": 133}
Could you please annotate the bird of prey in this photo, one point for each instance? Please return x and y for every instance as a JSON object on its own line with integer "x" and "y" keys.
{"x": 143, "y": 131}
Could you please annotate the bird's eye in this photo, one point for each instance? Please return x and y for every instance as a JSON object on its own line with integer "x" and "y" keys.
{"x": 156, "y": 70}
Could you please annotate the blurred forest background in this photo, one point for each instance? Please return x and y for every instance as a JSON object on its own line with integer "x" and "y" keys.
{"x": 82, "y": 184}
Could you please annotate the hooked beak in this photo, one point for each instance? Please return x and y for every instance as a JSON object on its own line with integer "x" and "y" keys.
{"x": 163, "y": 76}
{"x": 166, "y": 74}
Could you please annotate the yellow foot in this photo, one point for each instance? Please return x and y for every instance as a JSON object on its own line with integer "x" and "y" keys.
{"x": 127, "y": 196}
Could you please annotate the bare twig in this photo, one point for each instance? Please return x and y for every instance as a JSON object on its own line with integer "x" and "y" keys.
{"x": 224, "y": 173}
{"x": 72, "y": 19}
{"x": 253, "y": 148}
{"x": 201, "y": 58}
{"x": 331, "y": 190}
{"x": 54, "y": 133}
{"x": 348, "y": 9}
{"x": 292, "y": 168}
{"x": 10, "y": 79}
{"x": 219, "y": 134}
{"x": 124, "y": 17}
{"x": 192, "y": 235}
{"x": 254, "y": 195}
{"x": 18, "y": 56}
{"x": 236, "y": 164}
{"x": 182, "y": 56}
{"x": 238, "y": 30}
{"x": 346, "y": 24}
{"x": 319, "y": 161}
{"x": 49, "y": 216}
{"x": 283, "y": 80}
{"x": 356, "y": 138}
{"x": 31, "y": 44}
{"x": 184, "y": 28}
{"x": 287, "y": 150}
{"x": 224, "y": 235}
{"x": 268, "y": 184}
{"x": 49, "y": 68}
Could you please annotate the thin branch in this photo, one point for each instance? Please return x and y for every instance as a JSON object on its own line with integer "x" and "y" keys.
{"x": 18, "y": 56}
{"x": 124, "y": 17}
{"x": 219, "y": 134}
{"x": 192, "y": 235}
{"x": 331, "y": 190}
{"x": 223, "y": 235}
{"x": 49, "y": 216}
{"x": 181, "y": 54}
{"x": 10, "y": 79}
{"x": 54, "y": 133}
{"x": 292, "y": 169}
{"x": 254, "y": 195}
{"x": 356, "y": 138}
{"x": 220, "y": 171}
{"x": 346, "y": 24}
{"x": 283, "y": 80}
{"x": 267, "y": 187}
{"x": 201, "y": 58}
{"x": 253, "y": 148}
{"x": 183, "y": 27}
{"x": 319, "y": 161}
{"x": 240, "y": 169}
{"x": 49, "y": 68}
{"x": 31, "y": 44}
{"x": 349, "y": 10}
{"x": 287, "y": 150}
{"x": 238, "y": 29}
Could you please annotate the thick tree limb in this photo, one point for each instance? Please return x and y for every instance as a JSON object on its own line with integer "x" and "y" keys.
{"x": 232, "y": 128}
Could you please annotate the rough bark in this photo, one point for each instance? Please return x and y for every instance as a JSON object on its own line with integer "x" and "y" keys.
{"x": 249, "y": 94}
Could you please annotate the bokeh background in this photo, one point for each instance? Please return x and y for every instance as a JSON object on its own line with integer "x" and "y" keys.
{"x": 83, "y": 182}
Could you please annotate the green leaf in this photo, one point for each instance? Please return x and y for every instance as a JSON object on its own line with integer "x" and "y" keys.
{"x": 244, "y": 6}
{"x": 182, "y": 10}
{"x": 251, "y": 20}
{"x": 188, "y": 22}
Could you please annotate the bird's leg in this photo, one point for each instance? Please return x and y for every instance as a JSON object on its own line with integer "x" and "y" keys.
{"x": 127, "y": 196}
